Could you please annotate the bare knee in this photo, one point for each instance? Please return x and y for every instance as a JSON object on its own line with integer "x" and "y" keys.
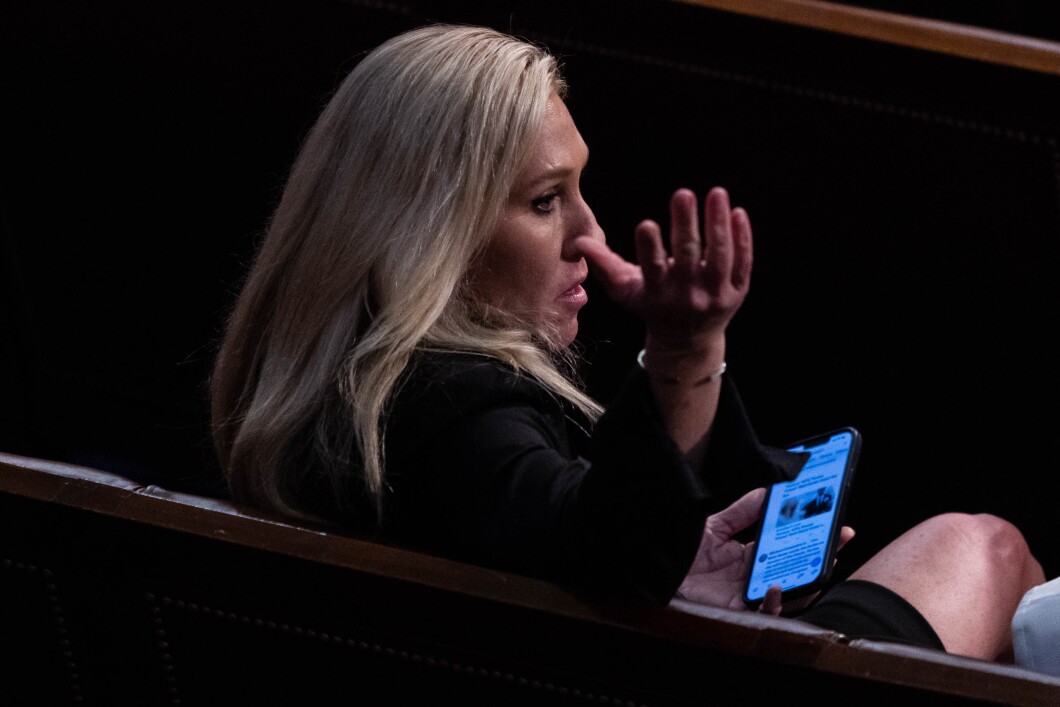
{"x": 965, "y": 574}
{"x": 969, "y": 549}
{"x": 991, "y": 540}
{"x": 996, "y": 538}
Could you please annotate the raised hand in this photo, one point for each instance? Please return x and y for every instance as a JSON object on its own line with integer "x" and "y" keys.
{"x": 686, "y": 298}
{"x": 691, "y": 293}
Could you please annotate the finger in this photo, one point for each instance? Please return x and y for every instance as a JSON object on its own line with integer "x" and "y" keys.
{"x": 743, "y": 249}
{"x": 771, "y": 602}
{"x": 686, "y": 245}
{"x": 740, "y": 515}
{"x": 846, "y": 534}
{"x": 599, "y": 256}
{"x": 651, "y": 254}
{"x": 621, "y": 279}
{"x": 718, "y": 250}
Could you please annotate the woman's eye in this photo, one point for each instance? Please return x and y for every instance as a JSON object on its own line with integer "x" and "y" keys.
{"x": 544, "y": 204}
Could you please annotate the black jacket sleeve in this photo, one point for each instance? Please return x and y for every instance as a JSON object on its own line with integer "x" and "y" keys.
{"x": 481, "y": 468}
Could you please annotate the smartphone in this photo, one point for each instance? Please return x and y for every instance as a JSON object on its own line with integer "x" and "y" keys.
{"x": 798, "y": 534}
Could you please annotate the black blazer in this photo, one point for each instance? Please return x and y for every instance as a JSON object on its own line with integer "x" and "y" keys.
{"x": 483, "y": 465}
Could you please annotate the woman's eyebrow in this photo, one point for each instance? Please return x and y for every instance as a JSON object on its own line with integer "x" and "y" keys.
{"x": 549, "y": 175}
{"x": 555, "y": 172}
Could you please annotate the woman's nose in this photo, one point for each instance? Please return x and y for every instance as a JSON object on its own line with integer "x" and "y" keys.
{"x": 583, "y": 223}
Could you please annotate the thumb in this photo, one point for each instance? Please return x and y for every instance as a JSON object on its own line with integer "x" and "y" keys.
{"x": 846, "y": 534}
{"x": 619, "y": 277}
{"x": 771, "y": 601}
{"x": 740, "y": 515}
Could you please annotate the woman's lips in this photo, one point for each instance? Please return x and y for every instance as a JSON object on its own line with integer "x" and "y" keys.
{"x": 576, "y": 296}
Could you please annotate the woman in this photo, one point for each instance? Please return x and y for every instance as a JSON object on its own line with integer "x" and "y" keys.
{"x": 399, "y": 362}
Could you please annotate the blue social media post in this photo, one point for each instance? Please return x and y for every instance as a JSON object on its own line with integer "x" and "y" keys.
{"x": 796, "y": 532}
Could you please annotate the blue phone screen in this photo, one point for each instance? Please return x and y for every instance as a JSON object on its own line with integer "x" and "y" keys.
{"x": 797, "y": 523}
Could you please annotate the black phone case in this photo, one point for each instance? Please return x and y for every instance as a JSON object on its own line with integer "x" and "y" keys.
{"x": 837, "y": 520}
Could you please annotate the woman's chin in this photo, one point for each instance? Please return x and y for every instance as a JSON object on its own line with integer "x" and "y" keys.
{"x": 564, "y": 333}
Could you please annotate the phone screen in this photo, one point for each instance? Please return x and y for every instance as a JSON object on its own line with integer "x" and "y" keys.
{"x": 800, "y": 524}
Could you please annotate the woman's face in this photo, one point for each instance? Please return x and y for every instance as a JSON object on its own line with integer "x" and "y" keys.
{"x": 530, "y": 268}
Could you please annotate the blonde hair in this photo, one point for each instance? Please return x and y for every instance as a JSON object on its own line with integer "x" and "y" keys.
{"x": 394, "y": 192}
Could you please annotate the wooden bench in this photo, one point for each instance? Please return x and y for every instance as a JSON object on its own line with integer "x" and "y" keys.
{"x": 119, "y": 594}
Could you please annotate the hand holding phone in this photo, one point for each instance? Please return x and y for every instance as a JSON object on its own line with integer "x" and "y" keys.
{"x": 799, "y": 531}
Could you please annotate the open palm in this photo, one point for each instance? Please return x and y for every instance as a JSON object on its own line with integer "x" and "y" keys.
{"x": 696, "y": 288}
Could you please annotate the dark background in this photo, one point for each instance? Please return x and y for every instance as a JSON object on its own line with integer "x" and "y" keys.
{"x": 906, "y": 209}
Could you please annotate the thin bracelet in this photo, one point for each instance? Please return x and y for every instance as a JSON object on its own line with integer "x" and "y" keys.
{"x": 673, "y": 379}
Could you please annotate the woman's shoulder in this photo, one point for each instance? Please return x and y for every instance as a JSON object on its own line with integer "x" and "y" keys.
{"x": 459, "y": 381}
{"x": 454, "y": 395}
{"x": 456, "y": 365}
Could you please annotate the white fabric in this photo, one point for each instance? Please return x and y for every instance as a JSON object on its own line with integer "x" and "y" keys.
{"x": 1036, "y": 629}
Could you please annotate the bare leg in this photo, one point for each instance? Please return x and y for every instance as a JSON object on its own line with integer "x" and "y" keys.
{"x": 965, "y": 574}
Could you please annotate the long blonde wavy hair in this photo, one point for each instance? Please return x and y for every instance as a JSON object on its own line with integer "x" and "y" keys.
{"x": 365, "y": 260}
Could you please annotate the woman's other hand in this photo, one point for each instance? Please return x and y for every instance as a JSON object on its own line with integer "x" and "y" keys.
{"x": 688, "y": 296}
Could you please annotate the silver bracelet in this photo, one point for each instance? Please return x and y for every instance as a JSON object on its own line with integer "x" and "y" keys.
{"x": 673, "y": 379}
